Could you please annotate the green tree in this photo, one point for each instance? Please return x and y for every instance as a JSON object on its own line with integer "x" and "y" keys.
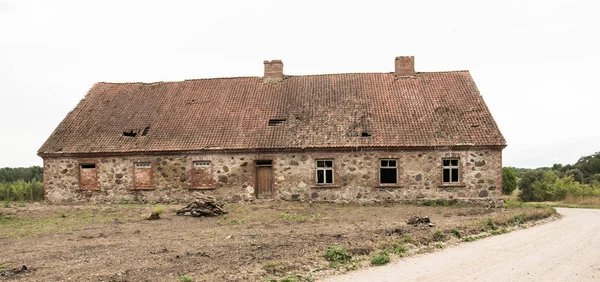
{"x": 528, "y": 178}
{"x": 509, "y": 180}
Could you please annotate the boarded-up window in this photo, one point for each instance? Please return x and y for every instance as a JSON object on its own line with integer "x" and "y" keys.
{"x": 202, "y": 175}
{"x": 143, "y": 176}
{"x": 88, "y": 177}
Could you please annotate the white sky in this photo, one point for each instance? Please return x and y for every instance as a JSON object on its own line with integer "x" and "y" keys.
{"x": 535, "y": 62}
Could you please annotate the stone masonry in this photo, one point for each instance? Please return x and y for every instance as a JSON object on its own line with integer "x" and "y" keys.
{"x": 232, "y": 177}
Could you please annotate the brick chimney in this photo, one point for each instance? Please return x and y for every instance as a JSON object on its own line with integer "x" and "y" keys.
{"x": 273, "y": 71}
{"x": 405, "y": 66}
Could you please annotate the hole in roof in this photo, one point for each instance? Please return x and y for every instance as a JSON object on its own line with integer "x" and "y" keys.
{"x": 274, "y": 122}
{"x": 129, "y": 133}
{"x": 365, "y": 134}
{"x": 145, "y": 130}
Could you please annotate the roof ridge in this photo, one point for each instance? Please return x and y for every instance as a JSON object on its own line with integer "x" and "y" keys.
{"x": 286, "y": 75}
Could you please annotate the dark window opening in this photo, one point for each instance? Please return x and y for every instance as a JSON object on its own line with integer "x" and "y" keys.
{"x": 388, "y": 171}
{"x": 274, "y": 122}
{"x": 130, "y": 133}
{"x": 145, "y": 131}
{"x": 450, "y": 173}
{"x": 264, "y": 162}
{"x": 325, "y": 172}
{"x": 365, "y": 134}
{"x": 87, "y": 166}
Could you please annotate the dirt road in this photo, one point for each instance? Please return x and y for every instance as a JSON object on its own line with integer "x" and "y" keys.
{"x": 564, "y": 250}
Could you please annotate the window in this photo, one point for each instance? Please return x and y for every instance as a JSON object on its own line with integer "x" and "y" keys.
{"x": 274, "y": 122}
{"x": 201, "y": 164}
{"x": 450, "y": 171}
{"x": 388, "y": 171}
{"x": 143, "y": 165}
{"x": 324, "y": 171}
{"x": 143, "y": 176}
{"x": 201, "y": 176}
{"x": 88, "y": 177}
{"x": 87, "y": 166}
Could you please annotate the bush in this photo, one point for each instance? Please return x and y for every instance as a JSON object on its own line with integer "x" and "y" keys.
{"x": 21, "y": 190}
{"x": 337, "y": 254}
{"x": 381, "y": 258}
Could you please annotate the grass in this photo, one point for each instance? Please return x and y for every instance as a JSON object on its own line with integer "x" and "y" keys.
{"x": 456, "y": 233}
{"x": 438, "y": 235}
{"x": 185, "y": 278}
{"x": 380, "y": 258}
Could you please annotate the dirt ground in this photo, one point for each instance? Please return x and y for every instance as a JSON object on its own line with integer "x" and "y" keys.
{"x": 261, "y": 241}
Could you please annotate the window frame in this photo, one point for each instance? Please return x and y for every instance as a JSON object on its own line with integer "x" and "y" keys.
{"x": 381, "y": 168}
{"x": 325, "y": 169}
{"x": 94, "y": 185}
{"x": 451, "y": 167}
{"x": 143, "y": 164}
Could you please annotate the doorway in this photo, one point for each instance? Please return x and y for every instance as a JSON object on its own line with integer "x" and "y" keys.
{"x": 264, "y": 179}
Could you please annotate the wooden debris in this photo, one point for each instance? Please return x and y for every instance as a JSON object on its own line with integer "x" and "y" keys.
{"x": 202, "y": 206}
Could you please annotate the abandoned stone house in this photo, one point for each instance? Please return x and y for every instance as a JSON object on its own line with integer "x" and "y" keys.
{"x": 353, "y": 137}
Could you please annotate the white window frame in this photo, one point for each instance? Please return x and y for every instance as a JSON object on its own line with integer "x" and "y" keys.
{"x": 451, "y": 167}
{"x": 201, "y": 164}
{"x": 143, "y": 165}
{"x": 395, "y": 167}
{"x": 325, "y": 168}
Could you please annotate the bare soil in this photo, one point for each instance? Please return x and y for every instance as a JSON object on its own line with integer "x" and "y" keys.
{"x": 258, "y": 241}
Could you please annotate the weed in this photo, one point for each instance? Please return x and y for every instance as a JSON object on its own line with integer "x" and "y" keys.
{"x": 287, "y": 216}
{"x": 158, "y": 210}
{"x": 405, "y": 239}
{"x": 22, "y": 205}
{"x": 438, "y": 235}
{"x": 364, "y": 203}
{"x": 270, "y": 267}
{"x": 381, "y": 258}
{"x": 64, "y": 214}
{"x": 490, "y": 224}
{"x": 430, "y": 203}
{"x": 439, "y": 245}
{"x": 185, "y": 278}
{"x": 517, "y": 220}
{"x": 469, "y": 239}
{"x": 3, "y": 266}
{"x": 399, "y": 250}
{"x": 499, "y": 231}
{"x": 337, "y": 254}
{"x": 456, "y": 233}
{"x": 288, "y": 279}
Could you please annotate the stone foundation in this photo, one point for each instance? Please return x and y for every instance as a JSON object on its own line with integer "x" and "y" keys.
{"x": 232, "y": 177}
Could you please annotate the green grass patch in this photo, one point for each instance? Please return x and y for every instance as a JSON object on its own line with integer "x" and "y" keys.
{"x": 381, "y": 258}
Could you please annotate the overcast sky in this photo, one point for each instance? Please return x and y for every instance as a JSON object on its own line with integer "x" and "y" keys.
{"x": 535, "y": 62}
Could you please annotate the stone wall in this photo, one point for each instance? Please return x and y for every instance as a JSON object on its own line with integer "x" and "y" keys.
{"x": 231, "y": 177}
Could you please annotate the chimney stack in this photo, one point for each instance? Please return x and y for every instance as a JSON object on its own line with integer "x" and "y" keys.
{"x": 405, "y": 67}
{"x": 273, "y": 71}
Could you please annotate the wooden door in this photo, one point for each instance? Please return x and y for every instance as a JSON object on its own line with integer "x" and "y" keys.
{"x": 264, "y": 181}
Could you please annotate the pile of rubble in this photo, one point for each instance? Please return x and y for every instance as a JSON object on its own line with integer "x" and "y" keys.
{"x": 202, "y": 206}
{"x": 415, "y": 220}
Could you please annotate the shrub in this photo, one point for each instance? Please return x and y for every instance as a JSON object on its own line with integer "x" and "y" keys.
{"x": 337, "y": 254}
{"x": 381, "y": 258}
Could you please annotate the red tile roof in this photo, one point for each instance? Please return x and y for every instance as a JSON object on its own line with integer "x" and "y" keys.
{"x": 320, "y": 111}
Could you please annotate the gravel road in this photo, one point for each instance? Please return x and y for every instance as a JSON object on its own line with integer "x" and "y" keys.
{"x": 564, "y": 250}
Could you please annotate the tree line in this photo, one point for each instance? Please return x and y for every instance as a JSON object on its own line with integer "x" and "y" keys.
{"x": 555, "y": 183}
{"x": 21, "y": 184}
